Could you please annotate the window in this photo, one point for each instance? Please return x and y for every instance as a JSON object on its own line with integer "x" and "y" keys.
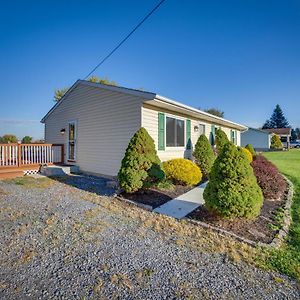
{"x": 201, "y": 129}
{"x": 174, "y": 132}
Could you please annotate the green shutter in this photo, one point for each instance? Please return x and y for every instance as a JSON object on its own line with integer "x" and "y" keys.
{"x": 233, "y": 136}
{"x": 161, "y": 131}
{"x": 188, "y": 134}
{"x": 213, "y": 134}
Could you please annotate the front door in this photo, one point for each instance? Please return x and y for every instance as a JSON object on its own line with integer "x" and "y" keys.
{"x": 72, "y": 134}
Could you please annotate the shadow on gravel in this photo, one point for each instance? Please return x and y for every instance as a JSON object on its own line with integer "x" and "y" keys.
{"x": 93, "y": 184}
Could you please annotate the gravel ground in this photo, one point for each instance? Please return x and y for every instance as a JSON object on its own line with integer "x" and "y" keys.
{"x": 70, "y": 239}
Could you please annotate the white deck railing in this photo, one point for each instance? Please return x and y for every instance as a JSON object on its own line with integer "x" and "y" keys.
{"x": 17, "y": 155}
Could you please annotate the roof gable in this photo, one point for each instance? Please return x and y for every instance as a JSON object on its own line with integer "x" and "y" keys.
{"x": 279, "y": 131}
{"x": 147, "y": 96}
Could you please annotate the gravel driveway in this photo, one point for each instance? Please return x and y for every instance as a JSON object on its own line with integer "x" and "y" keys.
{"x": 66, "y": 240}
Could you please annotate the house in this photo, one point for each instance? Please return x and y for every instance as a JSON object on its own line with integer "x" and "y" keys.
{"x": 284, "y": 134}
{"x": 259, "y": 139}
{"x": 96, "y": 121}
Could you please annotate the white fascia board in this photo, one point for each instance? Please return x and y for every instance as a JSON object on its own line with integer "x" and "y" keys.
{"x": 189, "y": 108}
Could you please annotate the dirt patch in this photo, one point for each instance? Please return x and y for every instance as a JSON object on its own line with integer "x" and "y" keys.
{"x": 156, "y": 197}
{"x": 262, "y": 229}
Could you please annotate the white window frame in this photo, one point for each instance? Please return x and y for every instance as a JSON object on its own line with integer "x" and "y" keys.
{"x": 184, "y": 132}
{"x": 75, "y": 141}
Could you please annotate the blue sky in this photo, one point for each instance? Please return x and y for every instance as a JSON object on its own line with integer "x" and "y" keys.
{"x": 240, "y": 56}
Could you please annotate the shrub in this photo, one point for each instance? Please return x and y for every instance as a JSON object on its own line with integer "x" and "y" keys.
{"x": 268, "y": 177}
{"x": 204, "y": 155}
{"x": 251, "y": 149}
{"x": 140, "y": 163}
{"x": 247, "y": 153}
{"x": 182, "y": 171}
{"x": 233, "y": 190}
{"x": 276, "y": 142}
{"x": 221, "y": 139}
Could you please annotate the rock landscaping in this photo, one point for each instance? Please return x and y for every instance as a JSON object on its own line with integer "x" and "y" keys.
{"x": 64, "y": 239}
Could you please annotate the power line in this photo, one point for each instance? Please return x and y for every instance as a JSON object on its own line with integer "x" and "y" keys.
{"x": 126, "y": 38}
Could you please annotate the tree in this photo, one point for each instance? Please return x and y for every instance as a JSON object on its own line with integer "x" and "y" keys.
{"x": 140, "y": 163}
{"x": 294, "y": 135}
{"x": 215, "y": 111}
{"x": 204, "y": 155}
{"x": 26, "y": 139}
{"x": 221, "y": 139}
{"x": 251, "y": 149}
{"x": 9, "y": 138}
{"x": 232, "y": 190}
{"x": 277, "y": 119}
{"x": 105, "y": 80}
{"x": 59, "y": 93}
{"x": 276, "y": 142}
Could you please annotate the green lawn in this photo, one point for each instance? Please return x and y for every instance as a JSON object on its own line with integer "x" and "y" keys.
{"x": 287, "y": 259}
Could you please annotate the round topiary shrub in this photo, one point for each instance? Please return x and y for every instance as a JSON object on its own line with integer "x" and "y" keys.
{"x": 221, "y": 139}
{"x": 140, "y": 163}
{"x": 276, "y": 142}
{"x": 204, "y": 155}
{"x": 233, "y": 190}
{"x": 251, "y": 149}
{"x": 182, "y": 171}
{"x": 247, "y": 153}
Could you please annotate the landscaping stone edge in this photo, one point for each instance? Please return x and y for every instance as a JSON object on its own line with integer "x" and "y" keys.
{"x": 141, "y": 205}
{"x": 278, "y": 239}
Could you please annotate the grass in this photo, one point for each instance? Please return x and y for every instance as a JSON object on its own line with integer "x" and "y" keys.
{"x": 287, "y": 258}
{"x": 31, "y": 182}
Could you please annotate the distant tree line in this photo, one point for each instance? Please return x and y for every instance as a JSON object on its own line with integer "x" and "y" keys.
{"x": 11, "y": 138}
{"x": 59, "y": 93}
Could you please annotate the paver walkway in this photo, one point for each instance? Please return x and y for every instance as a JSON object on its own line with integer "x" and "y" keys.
{"x": 184, "y": 204}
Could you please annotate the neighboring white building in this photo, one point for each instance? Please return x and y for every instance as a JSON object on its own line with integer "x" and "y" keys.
{"x": 259, "y": 139}
{"x": 284, "y": 134}
{"x": 96, "y": 121}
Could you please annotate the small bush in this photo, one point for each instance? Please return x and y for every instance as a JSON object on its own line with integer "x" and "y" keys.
{"x": 247, "y": 153}
{"x": 233, "y": 190}
{"x": 268, "y": 177}
{"x": 140, "y": 163}
{"x": 221, "y": 139}
{"x": 204, "y": 155}
{"x": 276, "y": 142}
{"x": 182, "y": 171}
{"x": 251, "y": 149}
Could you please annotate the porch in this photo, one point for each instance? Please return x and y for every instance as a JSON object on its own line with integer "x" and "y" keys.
{"x": 21, "y": 159}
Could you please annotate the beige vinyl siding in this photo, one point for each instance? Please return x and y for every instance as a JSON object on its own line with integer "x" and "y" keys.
{"x": 150, "y": 122}
{"x": 106, "y": 120}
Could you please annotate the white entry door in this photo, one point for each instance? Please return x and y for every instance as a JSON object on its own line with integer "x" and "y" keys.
{"x": 72, "y": 144}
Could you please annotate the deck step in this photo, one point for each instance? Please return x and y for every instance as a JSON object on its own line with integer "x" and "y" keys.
{"x": 10, "y": 174}
{"x": 58, "y": 170}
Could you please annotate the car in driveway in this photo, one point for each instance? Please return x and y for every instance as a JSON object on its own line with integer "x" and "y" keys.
{"x": 295, "y": 144}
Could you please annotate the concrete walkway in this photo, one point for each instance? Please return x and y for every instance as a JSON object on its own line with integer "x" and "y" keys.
{"x": 184, "y": 204}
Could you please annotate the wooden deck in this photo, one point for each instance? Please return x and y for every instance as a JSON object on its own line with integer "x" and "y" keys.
{"x": 19, "y": 159}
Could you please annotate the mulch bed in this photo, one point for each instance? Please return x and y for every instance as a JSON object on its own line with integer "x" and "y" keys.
{"x": 155, "y": 197}
{"x": 257, "y": 230}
